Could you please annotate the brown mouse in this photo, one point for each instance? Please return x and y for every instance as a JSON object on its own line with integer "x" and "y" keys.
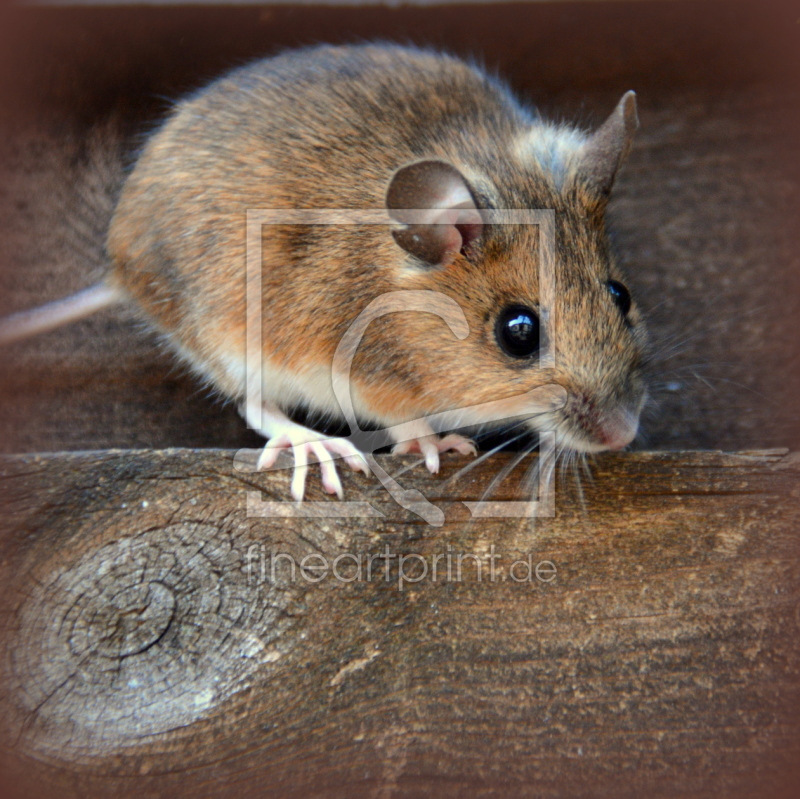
{"x": 441, "y": 150}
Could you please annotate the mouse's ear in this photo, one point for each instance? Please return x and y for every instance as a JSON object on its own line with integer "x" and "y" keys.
{"x": 432, "y": 202}
{"x": 606, "y": 149}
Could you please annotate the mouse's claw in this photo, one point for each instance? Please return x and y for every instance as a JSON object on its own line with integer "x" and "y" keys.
{"x": 431, "y": 446}
{"x": 304, "y": 443}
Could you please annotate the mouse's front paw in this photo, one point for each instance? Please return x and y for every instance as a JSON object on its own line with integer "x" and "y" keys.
{"x": 304, "y": 443}
{"x": 431, "y": 446}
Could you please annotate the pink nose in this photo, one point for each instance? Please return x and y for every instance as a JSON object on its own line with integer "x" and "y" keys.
{"x": 617, "y": 429}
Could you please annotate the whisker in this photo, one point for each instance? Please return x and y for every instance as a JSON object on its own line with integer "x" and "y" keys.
{"x": 577, "y": 475}
{"x": 662, "y": 352}
{"x": 408, "y": 468}
{"x": 481, "y": 458}
{"x": 547, "y": 469}
{"x": 648, "y": 313}
{"x": 736, "y": 383}
{"x": 541, "y": 471}
{"x": 501, "y": 430}
{"x": 665, "y": 386}
{"x": 702, "y": 380}
{"x": 587, "y": 471}
{"x": 503, "y": 473}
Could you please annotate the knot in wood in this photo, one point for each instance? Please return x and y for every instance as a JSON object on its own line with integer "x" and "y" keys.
{"x": 140, "y": 636}
{"x": 125, "y": 623}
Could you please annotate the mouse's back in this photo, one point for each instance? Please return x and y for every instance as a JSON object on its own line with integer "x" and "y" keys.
{"x": 323, "y": 127}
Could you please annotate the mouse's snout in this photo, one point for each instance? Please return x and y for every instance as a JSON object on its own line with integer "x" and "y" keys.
{"x": 618, "y": 428}
{"x": 589, "y": 427}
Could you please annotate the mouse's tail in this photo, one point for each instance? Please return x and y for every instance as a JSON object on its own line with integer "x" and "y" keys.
{"x": 60, "y": 312}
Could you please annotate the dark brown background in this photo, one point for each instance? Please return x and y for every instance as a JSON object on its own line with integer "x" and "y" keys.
{"x": 704, "y": 212}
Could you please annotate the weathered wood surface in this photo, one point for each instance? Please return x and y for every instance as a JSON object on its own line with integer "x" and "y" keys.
{"x": 705, "y": 210}
{"x": 143, "y": 657}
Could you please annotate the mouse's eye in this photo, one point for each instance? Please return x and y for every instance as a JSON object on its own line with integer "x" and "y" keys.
{"x": 517, "y": 331}
{"x": 620, "y": 295}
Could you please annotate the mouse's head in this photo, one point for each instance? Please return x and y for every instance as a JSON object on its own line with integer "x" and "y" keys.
{"x": 542, "y": 294}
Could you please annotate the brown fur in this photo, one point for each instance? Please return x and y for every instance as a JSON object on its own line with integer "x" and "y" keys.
{"x": 327, "y": 128}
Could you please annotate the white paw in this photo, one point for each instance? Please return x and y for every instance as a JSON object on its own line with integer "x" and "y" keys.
{"x": 305, "y": 442}
{"x": 431, "y": 446}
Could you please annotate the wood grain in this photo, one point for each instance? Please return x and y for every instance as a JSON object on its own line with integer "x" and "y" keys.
{"x": 145, "y": 655}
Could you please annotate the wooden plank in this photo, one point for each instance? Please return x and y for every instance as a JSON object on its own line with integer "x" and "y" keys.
{"x": 145, "y": 655}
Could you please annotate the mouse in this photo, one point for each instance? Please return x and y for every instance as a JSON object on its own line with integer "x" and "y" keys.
{"x": 438, "y": 149}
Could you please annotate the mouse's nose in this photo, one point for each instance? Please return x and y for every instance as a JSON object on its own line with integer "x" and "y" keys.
{"x": 616, "y": 429}
{"x": 602, "y": 428}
